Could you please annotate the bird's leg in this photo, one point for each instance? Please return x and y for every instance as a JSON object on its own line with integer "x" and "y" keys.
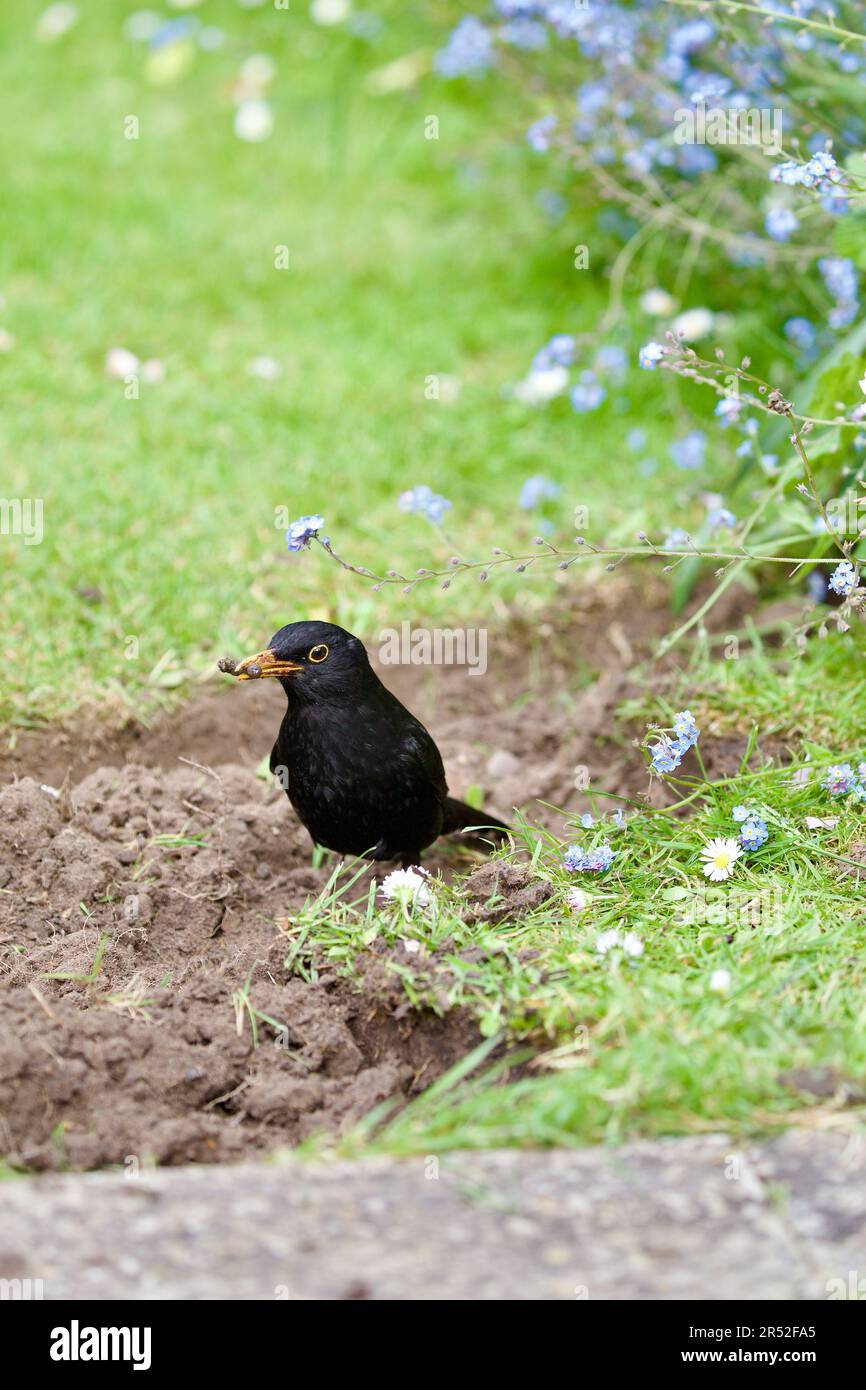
{"x": 380, "y": 851}
{"x": 406, "y": 858}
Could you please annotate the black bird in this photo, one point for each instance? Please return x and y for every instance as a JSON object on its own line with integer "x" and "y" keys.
{"x": 363, "y": 774}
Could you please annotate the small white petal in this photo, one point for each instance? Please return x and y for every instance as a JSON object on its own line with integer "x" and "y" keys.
{"x": 607, "y": 940}
{"x": 330, "y": 11}
{"x": 543, "y": 386}
{"x": 254, "y": 121}
{"x": 152, "y": 371}
{"x": 119, "y": 363}
{"x": 658, "y": 303}
{"x": 267, "y": 368}
{"x": 259, "y": 69}
{"x": 56, "y": 21}
{"x": 694, "y": 324}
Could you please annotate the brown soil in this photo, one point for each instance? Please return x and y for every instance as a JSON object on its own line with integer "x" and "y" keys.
{"x": 165, "y": 843}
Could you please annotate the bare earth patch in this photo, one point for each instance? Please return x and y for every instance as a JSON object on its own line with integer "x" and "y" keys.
{"x": 169, "y": 863}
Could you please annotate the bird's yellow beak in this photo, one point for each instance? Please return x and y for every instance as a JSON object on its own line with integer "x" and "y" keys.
{"x": 265, "y": 663}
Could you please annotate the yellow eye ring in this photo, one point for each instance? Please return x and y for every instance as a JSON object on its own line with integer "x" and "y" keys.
{"x": 318, "y": 653}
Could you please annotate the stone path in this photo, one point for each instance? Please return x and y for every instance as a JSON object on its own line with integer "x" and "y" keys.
{"x": 679, "y": 1218}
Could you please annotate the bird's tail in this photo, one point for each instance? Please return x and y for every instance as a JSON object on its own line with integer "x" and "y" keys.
{"x": 458, "y": 815}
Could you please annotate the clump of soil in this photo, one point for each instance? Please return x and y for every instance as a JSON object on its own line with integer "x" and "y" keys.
{"x": 497, "y": 891}
{"x": 181, "y": 875}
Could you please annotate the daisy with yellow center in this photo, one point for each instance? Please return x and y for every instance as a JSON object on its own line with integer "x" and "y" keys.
{"x": 720, "y": 856}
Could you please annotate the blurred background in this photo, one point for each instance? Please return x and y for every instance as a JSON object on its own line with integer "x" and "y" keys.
{"x": 298, "y": 388}
{"x": 263, "y": 261}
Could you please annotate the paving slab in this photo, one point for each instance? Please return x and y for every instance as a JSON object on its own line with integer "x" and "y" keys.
{"x": 656, "y": 1219}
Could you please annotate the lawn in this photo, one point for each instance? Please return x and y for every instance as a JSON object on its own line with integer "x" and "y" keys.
{"x": 408, "y": 258}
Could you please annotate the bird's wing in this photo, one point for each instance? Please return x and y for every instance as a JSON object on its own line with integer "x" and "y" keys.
{"x": 421, "y": 751}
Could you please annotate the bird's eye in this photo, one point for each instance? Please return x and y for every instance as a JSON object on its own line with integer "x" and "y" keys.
{"x": 318, "y": 653}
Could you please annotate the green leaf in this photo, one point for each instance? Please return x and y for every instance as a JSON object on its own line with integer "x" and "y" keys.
{"x": 490, "y": 1023}
{"x": 687, "y": 577}
{"x": 837, "y": 382}
{"x": 856, "y": 165}
{"x": 827, "y": 442}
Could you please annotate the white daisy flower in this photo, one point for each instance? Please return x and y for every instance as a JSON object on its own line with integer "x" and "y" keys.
{"x": 266, "y": 368}
{"x": 540, "y": 387}
{"x": 607, "y": 940}
{"x": 694, "y": 324}
{"x": 153, "y": 371}
{"x": 259, "y": 70}
{"x": 407, "y": 887}
{"x": 330, "y": 11}
{"x": 720, "y": 855}
{"x": 577, "y": 900}
{"x": 658, "y": 303}
{"x": 254, "y": 120}
{"x": 632, "y": 945}
{"x": 720, "y": 981}
{"x": 120, "y": 363}
{"x": 56, "y": 21}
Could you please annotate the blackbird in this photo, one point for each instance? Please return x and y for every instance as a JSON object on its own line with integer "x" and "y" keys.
{"x": 362, "y": 773}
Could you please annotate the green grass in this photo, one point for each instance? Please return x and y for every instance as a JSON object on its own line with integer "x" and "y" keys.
{"x": 401, "y": 265}
{"x": 408, "y": 258}
{"x": 817, "y": 697}
{"x": 626, "y": 1046}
